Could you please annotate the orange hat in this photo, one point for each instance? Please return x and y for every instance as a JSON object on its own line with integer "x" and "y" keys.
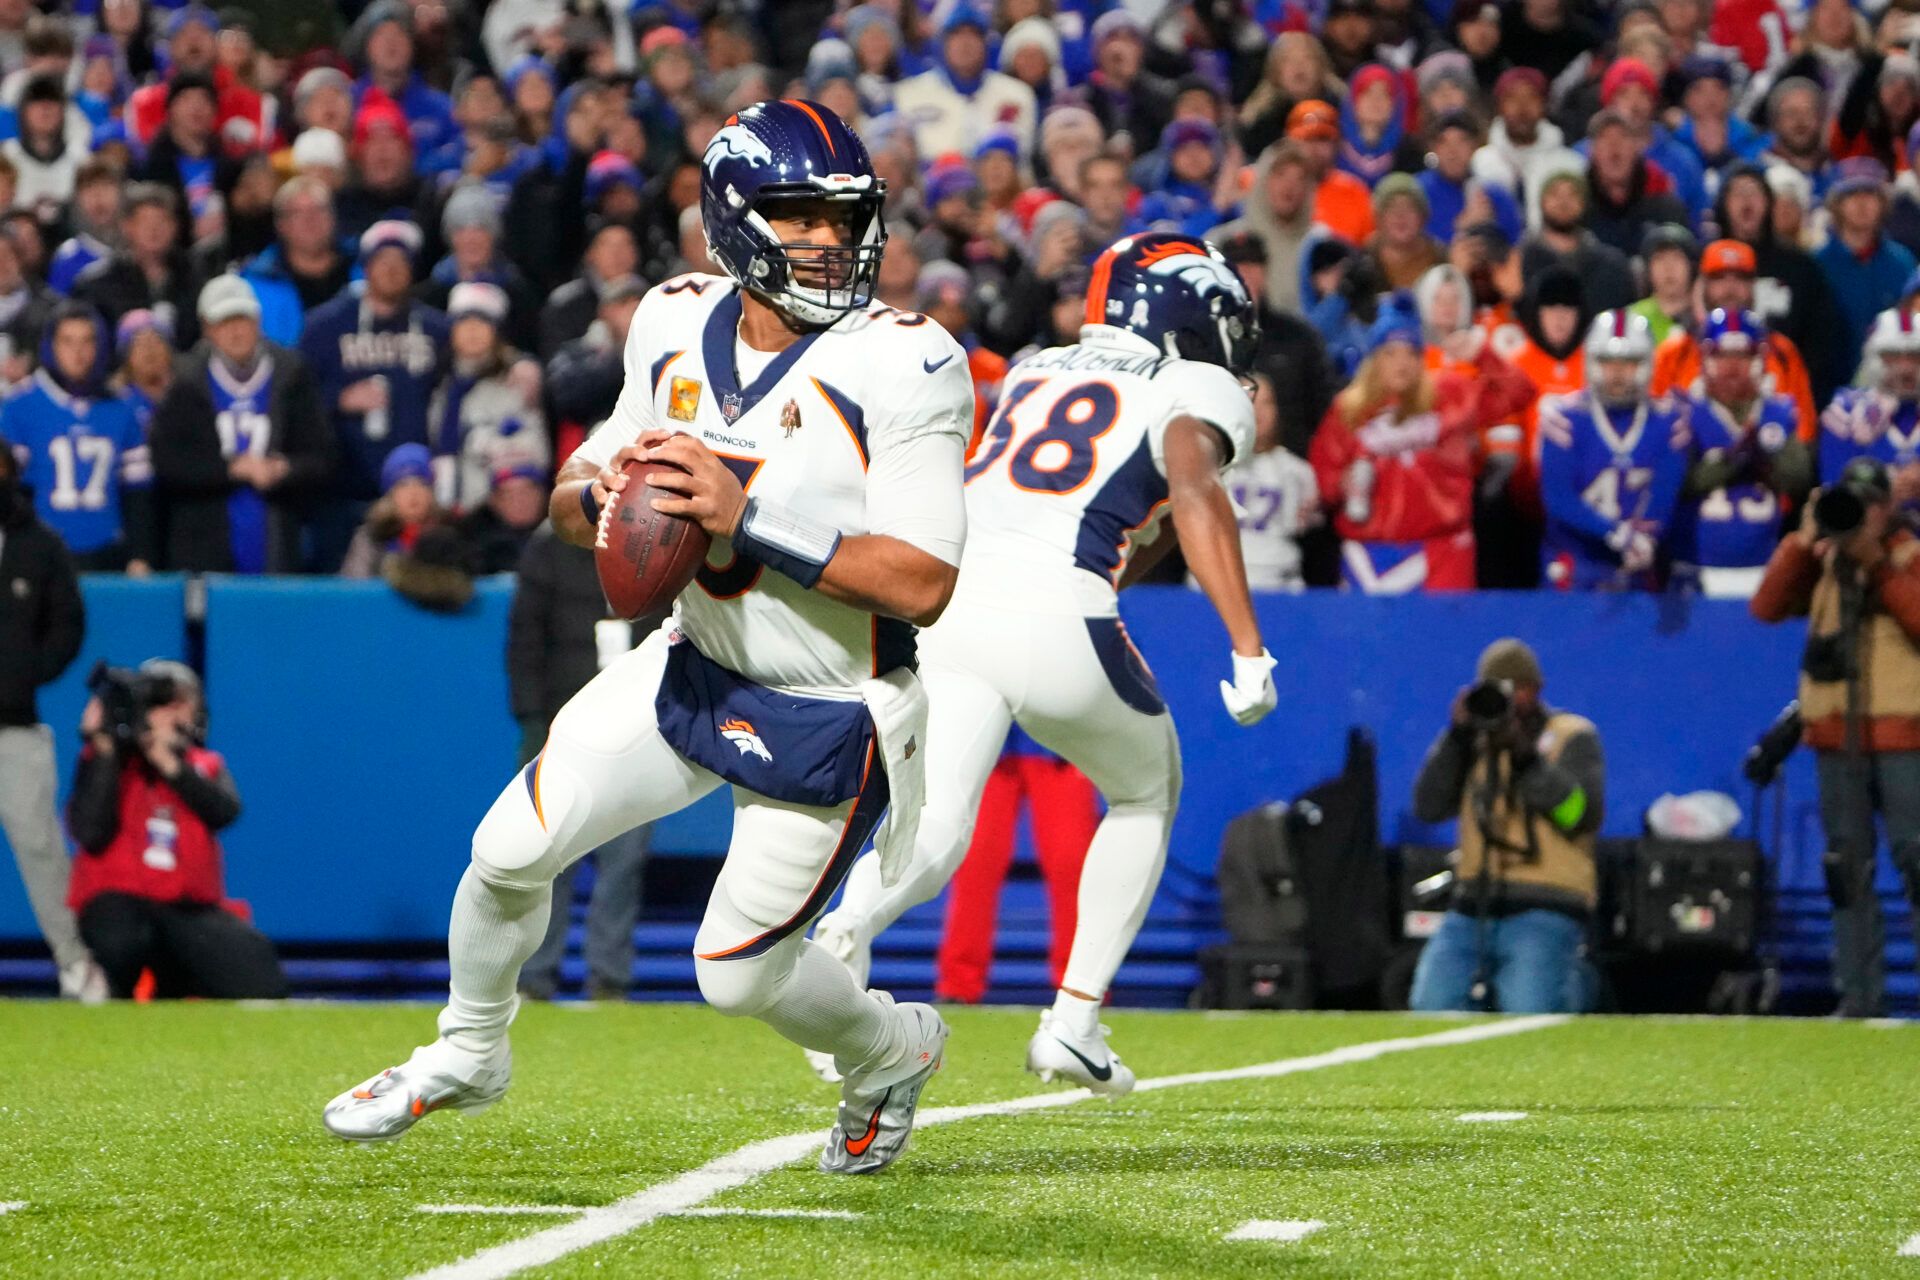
{"x": 1313, "y": 120}
{"x": 1727, "y": 257}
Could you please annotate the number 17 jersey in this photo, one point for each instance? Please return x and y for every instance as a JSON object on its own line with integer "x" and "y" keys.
{"x": 1070, "y": 476}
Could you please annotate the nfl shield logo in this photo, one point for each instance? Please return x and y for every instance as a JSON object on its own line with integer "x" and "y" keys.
{"x": 730, "y": 406}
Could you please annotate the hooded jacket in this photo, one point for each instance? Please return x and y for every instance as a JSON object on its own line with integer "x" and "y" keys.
{"x": 1790, "y": 292}
{"x": 1284, "y": 238}
{"x": 41, "y": 627}
{"x": 1392, "y": 150}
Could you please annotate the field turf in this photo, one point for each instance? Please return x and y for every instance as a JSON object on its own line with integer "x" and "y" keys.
{"x": 185, "y": 1141}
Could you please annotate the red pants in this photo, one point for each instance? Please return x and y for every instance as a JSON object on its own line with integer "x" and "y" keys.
{"x": 1065, "y": 810}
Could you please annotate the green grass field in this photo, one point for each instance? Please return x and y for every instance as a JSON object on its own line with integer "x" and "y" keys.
{"x": 184, "y": 1141}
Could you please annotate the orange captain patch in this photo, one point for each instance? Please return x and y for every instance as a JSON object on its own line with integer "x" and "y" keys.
{"x": 683, "y": 398}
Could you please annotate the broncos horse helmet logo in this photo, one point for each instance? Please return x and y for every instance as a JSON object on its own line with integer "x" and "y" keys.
{"x": 741, "y": 734}
{"x": 737, "y": 142}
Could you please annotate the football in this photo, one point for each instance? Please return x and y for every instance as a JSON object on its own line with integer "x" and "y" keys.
{"x": 645, "y": 558}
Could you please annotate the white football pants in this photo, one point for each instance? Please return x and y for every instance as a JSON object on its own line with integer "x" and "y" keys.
{"x": 985, "y": 667}
{"x": 606, "y": 770}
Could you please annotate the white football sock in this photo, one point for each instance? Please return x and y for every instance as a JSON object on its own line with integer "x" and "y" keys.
{"x": 493, "y": 932}
{"x": 820, "y": 1007}
{"x": 1077, "y": 1014}
{"x": 1116, "y": 885}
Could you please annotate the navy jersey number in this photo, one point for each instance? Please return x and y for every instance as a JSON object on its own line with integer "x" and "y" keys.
{"x": 1059, "y": 457}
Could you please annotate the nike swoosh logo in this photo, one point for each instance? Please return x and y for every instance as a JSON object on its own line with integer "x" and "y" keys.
{"x": 1099, "y": 1073}
{"x": 934, "y": 368}
{"x": 858, "y": 1146}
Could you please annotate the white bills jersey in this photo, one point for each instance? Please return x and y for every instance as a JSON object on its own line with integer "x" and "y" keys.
{"x": 862, "y": 425}
{"x": 1071, "y": 474}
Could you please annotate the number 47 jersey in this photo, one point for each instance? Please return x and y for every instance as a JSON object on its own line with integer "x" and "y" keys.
{"x": 1070, "y": 477}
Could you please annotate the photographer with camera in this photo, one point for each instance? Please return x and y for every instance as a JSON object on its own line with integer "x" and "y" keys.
{"x": 147, "y": 886}
{"x": 1853, "y": 571}
{"x": 1528, "y": 784}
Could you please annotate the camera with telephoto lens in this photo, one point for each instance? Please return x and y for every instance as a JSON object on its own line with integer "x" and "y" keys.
{"x": 125, "y": 699}
{"x": 1771, "y": 750}
{"x": 1842, "y": 507}
{"x": 1489, "y": 703}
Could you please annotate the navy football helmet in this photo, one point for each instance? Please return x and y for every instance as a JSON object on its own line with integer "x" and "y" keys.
{"x": 792, "y": 150}
{"x": 1180, "y": 294}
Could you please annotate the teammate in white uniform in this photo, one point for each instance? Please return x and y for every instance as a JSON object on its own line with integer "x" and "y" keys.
{"x": 822, "y": 439}
{"x": 1092, "y": 447}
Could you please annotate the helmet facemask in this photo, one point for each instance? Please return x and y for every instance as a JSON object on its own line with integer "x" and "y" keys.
{"x": 817, "y": 284}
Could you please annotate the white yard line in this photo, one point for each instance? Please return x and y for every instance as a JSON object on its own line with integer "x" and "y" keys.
{"x": 568, "y": 1210}
{"x": 8, "y": 1206}
{"x": 843, "y": 1215}
{"x": 1490, "y": 1117}
{"x": 511, "y": 1209}
{"x": 1277, "y": 1232}
{"x": 1911, "y": 1249}
{"x": 737, "y": 1168}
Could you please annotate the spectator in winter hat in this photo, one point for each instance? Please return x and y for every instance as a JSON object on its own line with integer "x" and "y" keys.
{"x": 1718, "y": 138}
{"x": 1835, "y": 54}
{"x": 470, "y": 224}
{"x": 1339, "y": 295}
{"x": 1797, "y": 120}
{"x": 1563, "y": 238}
{"x": 497, "y": 532}
{"x": 485, "y": 413}
{"x": 1864, "y": 268}
{"x": 1069, "y": 136}
{"x": 955, "y": 104}
{"x": 1126, "y": 97}
{"x": 1631, "y": 90}
{"x": 405, "y": 511}
{"x": 321, "y": 154}
{"x": 941, "y": 294}
{"x": 384, "y": 181}
{"x": 1341, "y": 202}
{"x": 1185, "y": 201}
{"x": 1400, "y": 245}
{"x": 1626, "y": 193}
{"x": 530, "y": 90}
{"x": 612, "y": 188}
{"x": 1057, "y": 245}
{"x": 1373, "y": 141}
{"x": 382, "y": 43}
{"x": 24, "y": 308}
{"x": 242, "y": 120}
{"x": 1030, "y": 53}
{"x": 144, "y": 344}
{"x": 953, "y": 203}
{"x": 376, "y": 353}
{"x": 1727, "y": 282}
{"x": 323, "y": 99}
{"x": 239, "y": 441}
{"x": 1903, "y": 208}
{"x": 583, "y": 378}
{"x": 1892, "y": 114}
{"x": 1445, "y": 83}
{"x": 305, "y": 266}
{"x": 1448, "y": 182}
{"x": 996, "y": 166}
{"x": 1668, "y": 260}
{"x": 1522, "y": 144}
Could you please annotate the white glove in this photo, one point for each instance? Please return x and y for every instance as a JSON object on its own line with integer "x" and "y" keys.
{"x": 1251, "y": 694}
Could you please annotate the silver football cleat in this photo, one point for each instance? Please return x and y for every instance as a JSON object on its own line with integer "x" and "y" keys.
{"x": 876, "y": 1110}
{"x": 436, "y": 1076}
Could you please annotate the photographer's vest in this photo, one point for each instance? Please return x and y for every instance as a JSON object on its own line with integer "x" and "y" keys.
{"x": 1889, "y": 669}
{"x": 1540, "y": 866}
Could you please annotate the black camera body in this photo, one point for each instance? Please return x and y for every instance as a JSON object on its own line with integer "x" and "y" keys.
{"x": 1842, "y": 507}
{"x": 1489, "y": 703}
{"x": 126, "y": 696}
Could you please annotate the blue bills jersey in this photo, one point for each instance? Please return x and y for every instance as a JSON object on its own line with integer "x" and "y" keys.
{"x": 1735, "y": 527}
{"x": 78, "y": 454}
{"x": 1606, "y": 474}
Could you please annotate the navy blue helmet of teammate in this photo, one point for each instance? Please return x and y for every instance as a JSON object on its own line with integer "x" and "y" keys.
{"x": 1179, "y": 293}
{"x": 781, "y": 152}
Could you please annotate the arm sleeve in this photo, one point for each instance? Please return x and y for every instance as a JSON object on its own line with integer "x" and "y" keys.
{"x": 206, "y": 786}
{"x": 633, "y": 411}
{"x": 1786, "y": 588}
{"x": 93, "y": 810}
{"x": 1442, "y": 777}
{"x": 1670, "y": 473}
{"x": 919, "y": 450}
{"x": 1899, "y": 593}
{"x": 1551, "y": 789}
{"x": 310, "y": 449}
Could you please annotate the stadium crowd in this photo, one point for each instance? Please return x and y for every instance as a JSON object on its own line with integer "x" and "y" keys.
{"x": 341, "y": 309}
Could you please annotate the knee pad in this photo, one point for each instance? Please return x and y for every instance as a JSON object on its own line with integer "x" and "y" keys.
{"x": 521, "y": 843}
{"x": 742, "y": 988}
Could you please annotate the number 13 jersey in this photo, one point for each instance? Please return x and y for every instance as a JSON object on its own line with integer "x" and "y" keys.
{"x": 1070, "y": 476}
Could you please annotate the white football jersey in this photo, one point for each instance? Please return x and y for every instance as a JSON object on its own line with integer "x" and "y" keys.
{"x": 862, "y": 425}
{"x": 1071, "y": 474}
